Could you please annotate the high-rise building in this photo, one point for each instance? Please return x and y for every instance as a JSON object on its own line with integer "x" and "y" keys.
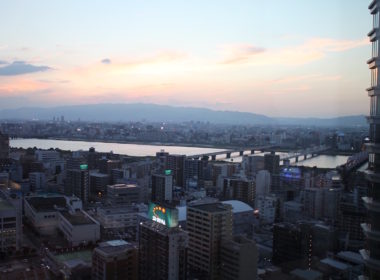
{"x": 240, "y": 189}
{"x": 98, "y": 185}
{"x": 294, "y": 245}
{"x": 115, "y": 259}
{"x": 238, "y": 259}
{"x": 162, "y": 251}
{"x": 371, "y": 229}
{"x": 272, "y": 163}
{"x": 4, "y": 146}
{"x": 263, "y": 182}
{"x": 175, "y": 163}
{"x": 10, "y": 226}
{"x": 77, "y": 183}
{"x": 208, "y": 225}
{"x": 162, "y": 187}
{"x": 37, "y": 181}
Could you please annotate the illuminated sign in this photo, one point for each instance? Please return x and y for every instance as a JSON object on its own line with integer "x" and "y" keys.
{"x": 163, "y": 215}
{"x": 168, "y": 172}
{"x": 83, "y": 167}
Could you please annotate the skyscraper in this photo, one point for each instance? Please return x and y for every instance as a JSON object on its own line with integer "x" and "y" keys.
{"x": 162, "y": 252}
{"x": 4, "y": 146}
{"x": 371, "y": 229}
{"x": 77, "y": 183}
{"x": 208, "y": 225}
{"x": 272, "y": 163}
{"x": 162, "y": 187}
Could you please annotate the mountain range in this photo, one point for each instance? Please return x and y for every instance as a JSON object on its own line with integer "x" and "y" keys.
{"x": 164, "y": 113}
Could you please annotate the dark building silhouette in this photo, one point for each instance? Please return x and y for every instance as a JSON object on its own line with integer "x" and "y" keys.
{"x": 162, "y": 252}
{"x": 4, "y": 146}
{"x": 115, "y": 259}
{"x": 371, "y": 229}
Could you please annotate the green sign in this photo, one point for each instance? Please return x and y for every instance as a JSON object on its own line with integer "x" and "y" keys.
{"x": 83, "y": 167}
{"x": 163, "y": 215}
{"x": 168, "y": 172}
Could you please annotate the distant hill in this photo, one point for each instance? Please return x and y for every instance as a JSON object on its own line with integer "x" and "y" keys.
{"x": 358, "y": 120}
{"x": 163, "y": 113}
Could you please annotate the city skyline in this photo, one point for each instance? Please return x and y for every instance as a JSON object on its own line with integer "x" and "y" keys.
{"x": 277, "y": 59}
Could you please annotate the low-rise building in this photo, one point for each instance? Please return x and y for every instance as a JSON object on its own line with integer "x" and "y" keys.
{"x": 42, "y": 212}
{"x": 78, "y": 227}
{"x": 119, "y": 221}
{"x": 123, "y": 194}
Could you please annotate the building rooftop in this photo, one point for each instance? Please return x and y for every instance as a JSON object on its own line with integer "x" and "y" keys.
{"x": 85, "y": 255}
{"x": 98, "y": 174}
{"x": 238, "y": 206}
{"x": 5, "y": 205}
{"x": 335, "y": 264}
{"x": 46, "y": 203}
{"x": 114, "y": 247}
{"x": 351, "y": 257}
{"x": 77, "y": 219}
{"x": 307, "y": 274}
{"x": 123, "y": 186}
{"x": 210, "y": 207}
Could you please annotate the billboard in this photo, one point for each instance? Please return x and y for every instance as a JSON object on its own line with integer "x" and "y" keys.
{"x": 163, "y": 215}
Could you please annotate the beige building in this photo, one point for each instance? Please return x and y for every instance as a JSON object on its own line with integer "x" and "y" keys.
{"x": 208, "y": 225}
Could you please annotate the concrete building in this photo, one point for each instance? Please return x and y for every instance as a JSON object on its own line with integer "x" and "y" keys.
{"x": 42, "y": 212}
{"x": 313, "y": 202}
{"x": 175, "y": 163}
{"x": 4, "y": 146}
{"x": 272, "y": 163}
{"x": 123, "y": 194}
{"x": 37, "y": 181}
{"x": 162, "y": 187}
{"x": 208, "y": 225}
{"x": 98, "y": 185}
{"x": 162, "y": 252}
{"x": 243, "y": 218}
{"x": 266, "y": 205}
{"x": 119, "y": 221}
{"x": 263, "y": 182}
{"x": 116, "y": 259}
{"x": 47, "y": 155}
{"x": 239, "y": 189}
{"x": 371, "y": 229}
{"x": 253, "y": 164}
{"x": 77, "y": 183}
{"x": 10, "y": 226}
{"x": 295, "y": 245}
{"x": 78, "y": 227}
{"x": 238, "y": 259}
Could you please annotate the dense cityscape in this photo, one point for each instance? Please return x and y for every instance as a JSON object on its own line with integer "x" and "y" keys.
{"x": 187, "y": 199}
{"x": 228, "y": 214}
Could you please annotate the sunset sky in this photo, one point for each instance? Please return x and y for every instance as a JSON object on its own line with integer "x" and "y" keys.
{"x": 291, "y": 58}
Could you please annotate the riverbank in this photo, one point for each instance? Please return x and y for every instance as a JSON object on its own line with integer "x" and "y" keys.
{"x": 198, "y": 145}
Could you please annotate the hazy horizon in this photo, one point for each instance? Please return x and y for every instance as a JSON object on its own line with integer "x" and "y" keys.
{"x": 182, "y": 106}
{"x": 279, "y": 59}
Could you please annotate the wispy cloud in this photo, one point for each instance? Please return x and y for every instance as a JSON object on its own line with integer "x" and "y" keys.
{"x": 241, "y": 53}
{"x": 311, "y": 50}
{"x": 106, "y": 61}
{"x": 20, "y": 68}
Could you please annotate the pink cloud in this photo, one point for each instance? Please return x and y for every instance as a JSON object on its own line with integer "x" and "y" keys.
{"x": 311, "y": 50}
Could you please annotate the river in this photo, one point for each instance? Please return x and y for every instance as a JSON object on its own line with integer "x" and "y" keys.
{"x": 321, "y": 161}
{"x": 117, "y": 148}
